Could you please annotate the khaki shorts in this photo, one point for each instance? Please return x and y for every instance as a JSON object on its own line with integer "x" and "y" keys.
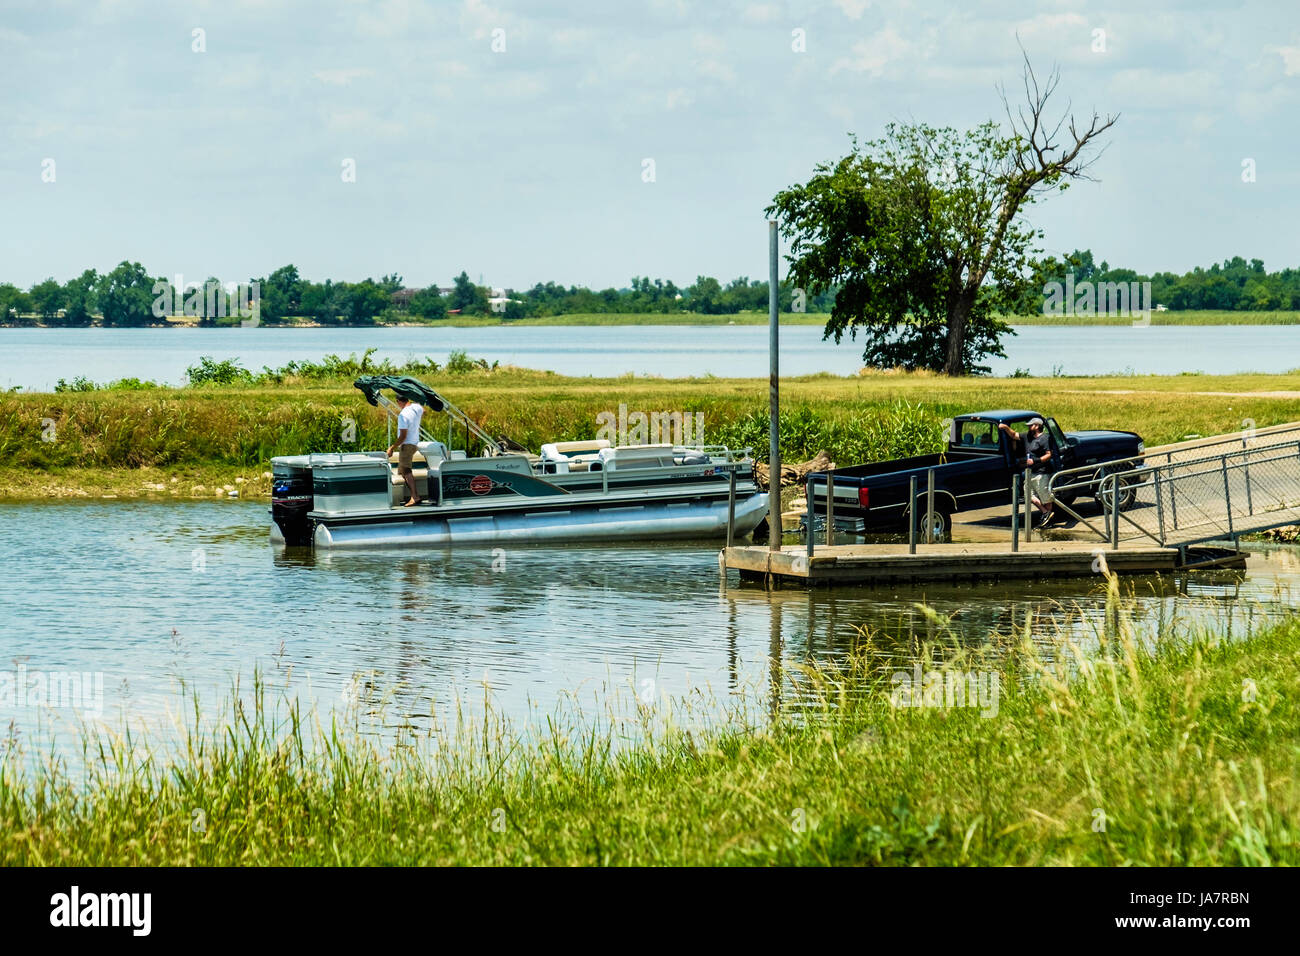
{"x": 405, "y": 456}
{"x": 1037, "y": 487}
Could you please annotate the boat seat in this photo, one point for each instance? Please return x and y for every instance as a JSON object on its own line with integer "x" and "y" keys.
{"x": 568, "y": 450}
{"x": 636, "y": 456}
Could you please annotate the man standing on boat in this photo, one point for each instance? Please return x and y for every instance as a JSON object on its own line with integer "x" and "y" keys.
{"x": 408, "y": 433}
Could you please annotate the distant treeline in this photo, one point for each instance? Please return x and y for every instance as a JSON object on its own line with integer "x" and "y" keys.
{"x": 1237, "y": 285}
{"x": 129, "y": 296}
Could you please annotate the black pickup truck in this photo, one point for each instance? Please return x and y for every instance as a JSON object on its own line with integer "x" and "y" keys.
{"x": 976, "y": 471}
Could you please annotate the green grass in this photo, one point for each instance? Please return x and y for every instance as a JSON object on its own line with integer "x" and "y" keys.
{"x": 1185, "y": 758}
{"x": 121, "y": 441}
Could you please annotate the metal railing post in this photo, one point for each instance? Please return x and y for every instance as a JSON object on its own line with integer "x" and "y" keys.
{"x": 1114, "y": 509}
{"x": 1015, "y": 515}
{"x": 1173, "y": 500}
{"x": 1227, "y": 492}
{"x": 830, "y": 509}
{"x": 731, "y": 505}
{"x": 1029, "y": 509}
{"x": 911, "y": 515}
{"x": 1250, "y": 500}
{"x": 929, "y": 506}
{"x": 1160, "y": 510}
{"x": 811, "y": 514}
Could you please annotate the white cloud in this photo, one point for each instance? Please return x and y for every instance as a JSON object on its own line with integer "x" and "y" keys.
{"x": 480, "y": 19}
{"x": 341, "y": 77}
{"x": 761, "y": 12}
{"x": 679, "y": 98}
{"x": 853, "y": 9}
{"x": 1290, "y": 58}
{"x": 389, "y": 18}
{"x": 875, "y": 53}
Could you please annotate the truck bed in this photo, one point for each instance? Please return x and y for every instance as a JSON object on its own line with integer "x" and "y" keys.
{"x": 878, "y": 468}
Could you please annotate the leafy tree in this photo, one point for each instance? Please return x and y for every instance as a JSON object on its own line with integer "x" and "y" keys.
{"x": 13, "y": 302}
{"x": 429, "y": 304}
{"x": 81, "y": 298}
{"x": 469, "y": 298}
{"x": 324, "y": 302}
{"x": 126, "y": 296}
{"x": 216, "y": 303}
{"x": 705, "y": 296}
{"x": 922, "y": 229}
{"x": 280, "y": 294}
{"x": 363, "y": 301}
{"x": 47, "y": 298}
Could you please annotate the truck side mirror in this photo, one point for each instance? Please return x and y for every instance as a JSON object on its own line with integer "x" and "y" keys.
{"x": 1071, "y": 441}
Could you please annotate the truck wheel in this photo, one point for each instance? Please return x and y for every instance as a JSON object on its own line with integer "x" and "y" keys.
{"x": 1127, "y": 490}
{"x": 942, "y": 518}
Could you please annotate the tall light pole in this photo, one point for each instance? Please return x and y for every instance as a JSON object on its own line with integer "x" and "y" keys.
{"x": 774, "y": 383}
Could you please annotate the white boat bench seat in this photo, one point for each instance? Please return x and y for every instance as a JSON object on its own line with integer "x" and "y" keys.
{"x": 571, "y": 456}
{"x": 571, "y": 450}
{"x": 636, "y": 456}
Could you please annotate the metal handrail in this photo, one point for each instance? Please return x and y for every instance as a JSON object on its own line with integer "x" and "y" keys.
{"x": 1270, "y": 440}
{"x": 1218, "y": 466}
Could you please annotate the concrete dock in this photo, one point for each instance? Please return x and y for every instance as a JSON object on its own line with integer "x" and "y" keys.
{"x": 885, "y": 563}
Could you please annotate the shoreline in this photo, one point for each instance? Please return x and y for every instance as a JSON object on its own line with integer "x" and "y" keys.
{"x": 1190, "y": 317}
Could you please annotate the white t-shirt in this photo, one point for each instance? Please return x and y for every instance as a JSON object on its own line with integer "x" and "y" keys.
{"x": 408, "y": 424}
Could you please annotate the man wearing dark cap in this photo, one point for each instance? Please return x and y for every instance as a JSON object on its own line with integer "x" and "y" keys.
{"x": 1039, "y": 462}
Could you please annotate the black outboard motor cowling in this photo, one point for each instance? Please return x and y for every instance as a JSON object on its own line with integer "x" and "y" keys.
{"x": 291, "y": 502}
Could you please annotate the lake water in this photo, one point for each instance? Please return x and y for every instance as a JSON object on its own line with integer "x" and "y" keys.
{"x": 37, "y": 358}
{"x": 150, "y": 595}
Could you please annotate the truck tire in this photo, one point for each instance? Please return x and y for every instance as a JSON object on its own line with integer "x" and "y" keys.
{"x": 1127, "y": 490}
{"x": 942, "y": 518}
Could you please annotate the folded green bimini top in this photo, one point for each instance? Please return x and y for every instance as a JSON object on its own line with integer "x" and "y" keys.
{"x": 404, "y": 386}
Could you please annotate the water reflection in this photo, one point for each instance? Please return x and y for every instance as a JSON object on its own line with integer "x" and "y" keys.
{"x": 410, "y": 637}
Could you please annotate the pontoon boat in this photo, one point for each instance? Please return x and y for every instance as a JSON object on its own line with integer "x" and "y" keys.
{"x": 572, "y": 491}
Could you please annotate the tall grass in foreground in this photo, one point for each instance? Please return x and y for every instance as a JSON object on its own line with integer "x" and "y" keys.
{"x": 1183, "y": 757}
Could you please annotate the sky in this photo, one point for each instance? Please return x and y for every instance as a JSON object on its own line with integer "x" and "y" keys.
{"x": 587, "y": 143}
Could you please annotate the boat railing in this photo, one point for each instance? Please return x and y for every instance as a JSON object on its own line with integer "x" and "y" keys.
{"x": 726, "y": 452}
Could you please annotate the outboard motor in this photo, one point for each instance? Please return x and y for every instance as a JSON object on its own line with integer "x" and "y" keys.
{"x": 291, "y": 502}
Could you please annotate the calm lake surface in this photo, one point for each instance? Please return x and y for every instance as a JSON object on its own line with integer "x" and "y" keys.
{"x": 37, "y": 358}
{"x": 150, "y": 595}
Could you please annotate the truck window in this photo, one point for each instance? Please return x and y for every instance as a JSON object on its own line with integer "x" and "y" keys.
{"x": 1057, "y": 435}
{"x": 975, "y": 434}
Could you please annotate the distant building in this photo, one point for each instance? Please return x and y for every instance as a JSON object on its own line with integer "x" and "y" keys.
{"x": 402, "y": 298}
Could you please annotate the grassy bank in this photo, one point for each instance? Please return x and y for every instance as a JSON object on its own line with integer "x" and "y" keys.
{"x": 1187, "y": 758}
{"x": 129, "y": 442}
